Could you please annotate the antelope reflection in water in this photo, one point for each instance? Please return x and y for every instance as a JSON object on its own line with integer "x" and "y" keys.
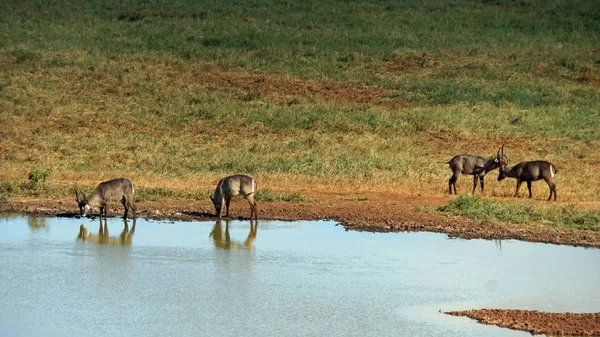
{"x": 222, "y": 239}
{"x": 124, "y": 239}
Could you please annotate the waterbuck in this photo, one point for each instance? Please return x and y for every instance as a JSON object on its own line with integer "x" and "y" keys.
{"x": 529, "y": 171}
{"x": 107, "y": 192}
{"x": 231, "y": 186}
{"x": 476, "y": 166}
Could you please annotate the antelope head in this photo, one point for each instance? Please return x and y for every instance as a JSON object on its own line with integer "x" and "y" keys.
{"x": 491, "y": 164}
{"x": 82, "y": 203}
{"x": 503, "y": 165}
{"x": 217, "y": 202}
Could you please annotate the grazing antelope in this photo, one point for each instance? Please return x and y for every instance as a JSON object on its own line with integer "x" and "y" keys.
{"x": 231, "y": 186}
{"x": 476, "y": 166}
{"x": 106, "y": 192}
{"x": 529, "y": 171}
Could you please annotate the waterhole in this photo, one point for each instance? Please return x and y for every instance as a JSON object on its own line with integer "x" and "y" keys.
{"x": 67, "y": 277}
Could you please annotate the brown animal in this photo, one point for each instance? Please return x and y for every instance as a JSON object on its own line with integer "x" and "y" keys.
{"x": 107, "y": 192}
{"x": 476, "y": 166}
{"x": 231, "y": 186}
{"x": 529, "y": 171}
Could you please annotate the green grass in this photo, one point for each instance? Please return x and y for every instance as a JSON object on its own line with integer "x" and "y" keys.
{"x": 485, "y": 210}
{"x": 38, "y": 176}
{"x": 6, "y": 190}
{"x": 265, "y": 195}
{"x": 369, "y": 91}
{"x": 153, "y": 193}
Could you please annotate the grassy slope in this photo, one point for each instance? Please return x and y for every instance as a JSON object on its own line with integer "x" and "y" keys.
{"x": 170, "y": 95}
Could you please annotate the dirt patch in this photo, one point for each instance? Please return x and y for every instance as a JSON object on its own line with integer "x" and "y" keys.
{"x": 537, "y": 322}
{"x": 294, "y": 91}
{"x": 368, "y": 211}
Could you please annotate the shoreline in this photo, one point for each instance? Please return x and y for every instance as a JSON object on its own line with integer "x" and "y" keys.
{"x": 380, "y": 212}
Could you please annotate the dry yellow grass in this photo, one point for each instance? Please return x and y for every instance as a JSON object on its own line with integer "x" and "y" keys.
{"x": 181, "y": 125}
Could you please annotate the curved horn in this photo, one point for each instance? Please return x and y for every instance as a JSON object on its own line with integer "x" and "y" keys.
{"x": 84, "y": 197}
{"x": 76, "y": 194}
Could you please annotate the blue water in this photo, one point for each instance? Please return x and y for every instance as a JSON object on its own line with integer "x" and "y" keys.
{"x": 273, "y": 279}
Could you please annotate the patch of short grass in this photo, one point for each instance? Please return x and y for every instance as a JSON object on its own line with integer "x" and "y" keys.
{"x": 153, "y": 193}
{"x": 6, "y": 190}
{"x": 485, "y": 210}
{"x": 424, "y": 209}
{"x": 265, "y": 195}
{"x": 357, "y": 199}
{"x": 39, "y": 176}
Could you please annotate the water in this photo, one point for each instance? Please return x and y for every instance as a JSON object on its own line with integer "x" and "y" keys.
{"x": 273, "y": 279}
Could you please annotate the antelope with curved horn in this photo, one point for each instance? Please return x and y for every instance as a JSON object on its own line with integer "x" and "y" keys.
{"x": 529, "y": 171}
{"x": 106, "y": 192}
{"x": 476, "y": 166}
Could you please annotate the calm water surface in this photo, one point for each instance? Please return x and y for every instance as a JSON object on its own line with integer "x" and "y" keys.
{"x": 272, "y": 279}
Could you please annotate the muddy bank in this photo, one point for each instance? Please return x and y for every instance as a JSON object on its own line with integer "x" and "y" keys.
{"x": 373, "y": 212}
{"x": 537, "y": 322}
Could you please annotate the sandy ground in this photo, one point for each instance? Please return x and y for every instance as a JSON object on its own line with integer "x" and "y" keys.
{"x": 537, "y": 322}
{"x": 375, "y": 212}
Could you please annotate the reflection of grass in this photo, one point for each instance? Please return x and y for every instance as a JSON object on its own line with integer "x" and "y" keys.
{"x": 37, "y": 222}
{"x": 570, "y": 217}
{"x": 265, "y": 195}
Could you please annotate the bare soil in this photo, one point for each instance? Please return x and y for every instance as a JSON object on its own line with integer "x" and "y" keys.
{"x": 294, "y": 91}
{"x": 375, "y": 212}
{"x": 537, "y": 322}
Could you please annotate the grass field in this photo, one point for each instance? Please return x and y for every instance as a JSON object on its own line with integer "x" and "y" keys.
{"x": 310, "y": 95}
{"x": 491, "y": 211}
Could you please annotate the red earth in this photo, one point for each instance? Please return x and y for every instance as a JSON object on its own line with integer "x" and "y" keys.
{"x": 537, "y": 322}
